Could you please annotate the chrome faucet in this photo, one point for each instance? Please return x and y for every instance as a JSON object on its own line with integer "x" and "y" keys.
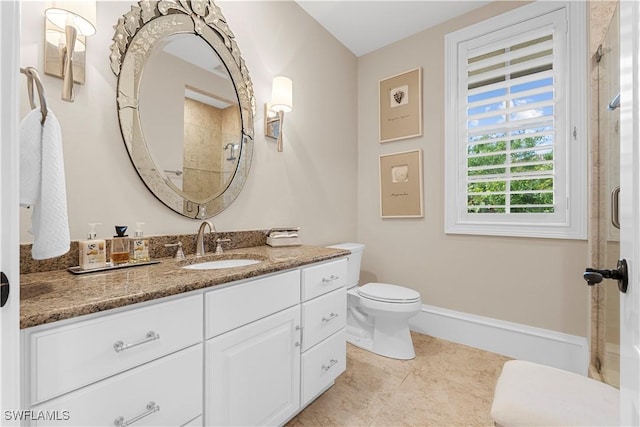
{"x": 200, "y": 250}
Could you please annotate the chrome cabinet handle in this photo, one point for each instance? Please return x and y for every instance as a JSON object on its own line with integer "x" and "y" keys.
{"x": 615, "y": 213}
{"x": 330, "y": 279}
{"x": 152, "y": 407}
{"x": 330, "y": 318}
{"x": 299, "y": 343}
{"x": 332, "y": 362}
{"x": 121, "y": 346}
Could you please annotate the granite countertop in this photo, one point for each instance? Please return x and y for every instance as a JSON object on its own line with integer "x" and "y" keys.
{"x": 56, "y": 295}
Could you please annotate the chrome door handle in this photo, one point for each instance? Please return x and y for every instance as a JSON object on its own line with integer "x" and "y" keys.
{"x": 615, "y": 212}
{"x": 152, "y": 407}
{"x": 330, "y": 318}
{"x": 330, "y": 279}
{"x": 332, "y": 362}
{"x": 119, "y": 346}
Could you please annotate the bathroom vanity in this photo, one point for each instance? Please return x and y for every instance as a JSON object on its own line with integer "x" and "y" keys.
{"x": 165, "y": 345}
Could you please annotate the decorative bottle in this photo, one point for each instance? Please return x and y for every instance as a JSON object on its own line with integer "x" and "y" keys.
{"x": 120, "y": 246}
{"x": 139, "y": 245}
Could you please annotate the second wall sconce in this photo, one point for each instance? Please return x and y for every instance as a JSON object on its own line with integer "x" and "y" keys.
{"x": 67, "y": 25}
{"x": 281, "y": 102}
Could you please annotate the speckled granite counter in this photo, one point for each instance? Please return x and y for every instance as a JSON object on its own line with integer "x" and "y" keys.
{"x": 56, "y": 295}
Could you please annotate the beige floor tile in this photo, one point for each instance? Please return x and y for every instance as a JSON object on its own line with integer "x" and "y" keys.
{"x": 447, "y": 384}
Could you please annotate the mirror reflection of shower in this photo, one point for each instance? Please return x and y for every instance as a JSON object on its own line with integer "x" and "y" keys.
{"x": 232, "y": 151}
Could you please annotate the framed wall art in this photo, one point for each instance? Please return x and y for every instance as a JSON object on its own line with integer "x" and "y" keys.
{"x": 400, "y": 106}
{"x": 401, "y": 185}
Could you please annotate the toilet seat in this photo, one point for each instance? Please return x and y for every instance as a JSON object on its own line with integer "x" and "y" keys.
{"x": 383, "y": 292}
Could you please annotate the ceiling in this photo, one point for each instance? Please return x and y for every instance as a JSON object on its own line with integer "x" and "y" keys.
{"x": 364, "y": 25}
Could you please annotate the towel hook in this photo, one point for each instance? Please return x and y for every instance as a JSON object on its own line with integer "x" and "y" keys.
{"x": 33, "y": 76}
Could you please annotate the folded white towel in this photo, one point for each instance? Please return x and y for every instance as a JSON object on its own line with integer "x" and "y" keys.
{"x": 42, "y": 184}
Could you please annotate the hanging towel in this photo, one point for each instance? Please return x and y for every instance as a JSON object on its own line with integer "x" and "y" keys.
{"x": 42, "y": 184}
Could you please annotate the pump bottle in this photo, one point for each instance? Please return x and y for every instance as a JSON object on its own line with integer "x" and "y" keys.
{"x": 93, "y": 252}
{"x": 139, "y": 245}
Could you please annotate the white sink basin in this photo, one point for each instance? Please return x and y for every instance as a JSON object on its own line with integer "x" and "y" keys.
{"x": 222, "y": 263}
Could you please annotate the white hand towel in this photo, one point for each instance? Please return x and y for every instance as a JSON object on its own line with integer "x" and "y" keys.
{"x": 42, "y": 184}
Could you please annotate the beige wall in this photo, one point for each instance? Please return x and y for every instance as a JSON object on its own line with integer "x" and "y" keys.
{"x": 326, "y": 180}
{"x": 312, "y": 184}
{"x": 536, "y": 282}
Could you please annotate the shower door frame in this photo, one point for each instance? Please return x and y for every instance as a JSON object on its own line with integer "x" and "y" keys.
{"x": 630, "y": 210}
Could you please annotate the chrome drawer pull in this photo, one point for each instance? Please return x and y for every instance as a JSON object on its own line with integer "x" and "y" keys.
{"x": 330, "y": 318}
{"x": 121, "y": 346}
{"x": 332, "y": 362}
{"x": 152, "y": 407}
{"x": 330, "y": 279}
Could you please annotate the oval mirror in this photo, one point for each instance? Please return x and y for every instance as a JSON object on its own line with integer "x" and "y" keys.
{"x": 185, "y": 104}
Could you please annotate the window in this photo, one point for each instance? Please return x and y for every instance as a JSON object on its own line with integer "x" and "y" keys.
{"x": 516, "y": 140}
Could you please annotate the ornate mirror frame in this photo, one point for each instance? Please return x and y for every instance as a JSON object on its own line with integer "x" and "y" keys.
{"x": 136, "y": 34}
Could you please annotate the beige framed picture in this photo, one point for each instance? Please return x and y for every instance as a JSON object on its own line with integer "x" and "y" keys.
{"x": 400, "y": 106}
{"x": 401, "y": 185}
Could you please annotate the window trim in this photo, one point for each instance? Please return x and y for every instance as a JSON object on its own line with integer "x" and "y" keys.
{"x": 574, "y": 225}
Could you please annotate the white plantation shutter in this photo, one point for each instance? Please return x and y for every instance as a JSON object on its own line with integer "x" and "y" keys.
{"x": 510, "y": 155}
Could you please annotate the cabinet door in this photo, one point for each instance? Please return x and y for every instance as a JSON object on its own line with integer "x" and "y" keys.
{"x": 253, "y": 372}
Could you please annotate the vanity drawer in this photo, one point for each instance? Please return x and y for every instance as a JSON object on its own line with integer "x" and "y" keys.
{"x": 65, "y": 358}
{"x": 173, "y": 383}
{"x": 322, "y": 364}
{"x": 234, "y": 306}
{"x": 323, "y": 316}
{"x": 323, "y": 278}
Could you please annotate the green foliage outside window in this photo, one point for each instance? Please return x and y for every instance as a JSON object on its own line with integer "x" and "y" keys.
{"x": 530, "y": 167}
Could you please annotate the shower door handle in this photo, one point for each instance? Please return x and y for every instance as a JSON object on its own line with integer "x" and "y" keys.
{"x": 615, "y": 212}
{"x": 621, "y": 274}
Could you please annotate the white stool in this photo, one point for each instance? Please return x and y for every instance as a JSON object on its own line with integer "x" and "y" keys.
{"x": 528, "y": 394}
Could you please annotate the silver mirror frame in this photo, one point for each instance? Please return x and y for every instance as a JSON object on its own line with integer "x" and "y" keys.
{"x": 136, "y": 34}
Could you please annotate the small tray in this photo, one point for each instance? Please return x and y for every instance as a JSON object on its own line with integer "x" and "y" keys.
{"x": 78, "y": 270}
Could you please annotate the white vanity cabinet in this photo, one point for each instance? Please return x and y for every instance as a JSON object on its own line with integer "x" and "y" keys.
{"x": 253, "y": 352}
{"x": 272, "y": 351}
{"x": 141, "y": 364}
{"x": 252, "y": 363}
{"x": 324, "y": 315}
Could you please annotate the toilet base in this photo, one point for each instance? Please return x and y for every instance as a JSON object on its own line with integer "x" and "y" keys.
{"x": 395, "y": 346}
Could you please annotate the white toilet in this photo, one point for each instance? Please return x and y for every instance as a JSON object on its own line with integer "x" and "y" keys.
{"x": 377, "y": 313}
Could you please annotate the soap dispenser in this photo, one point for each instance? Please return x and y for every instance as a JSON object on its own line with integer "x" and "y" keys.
{"x": 93, "y": 252}
{"x": 139, "y": 245}
{"x": 120, "y": 246}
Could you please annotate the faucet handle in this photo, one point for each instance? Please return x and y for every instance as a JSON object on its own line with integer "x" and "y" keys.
{"x": 179, "y": 252}
{"x": 219, "y": 245}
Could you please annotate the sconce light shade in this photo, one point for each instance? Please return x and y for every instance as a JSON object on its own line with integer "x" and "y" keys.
{"x": 66, "y": 26}
{"x": 281, "y": 102}
{"x": 79, "y": 14}
{"x": 282, "y": 94}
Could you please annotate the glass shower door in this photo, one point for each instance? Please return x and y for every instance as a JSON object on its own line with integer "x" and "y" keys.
{"x": 608, "y": 352}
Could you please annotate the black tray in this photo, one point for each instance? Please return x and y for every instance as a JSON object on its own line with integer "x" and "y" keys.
{"x": 78, "y": 270}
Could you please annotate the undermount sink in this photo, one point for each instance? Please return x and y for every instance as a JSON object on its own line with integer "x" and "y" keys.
{"x": 222, "y": 263}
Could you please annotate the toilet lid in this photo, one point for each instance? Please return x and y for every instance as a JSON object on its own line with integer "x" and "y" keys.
{"x": 388, "y": 293}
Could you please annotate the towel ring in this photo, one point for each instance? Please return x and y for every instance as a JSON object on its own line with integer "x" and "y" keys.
{"x": 33, "y": 76}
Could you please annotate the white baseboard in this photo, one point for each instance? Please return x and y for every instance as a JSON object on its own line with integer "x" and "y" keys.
{"x": 564, "y": 351}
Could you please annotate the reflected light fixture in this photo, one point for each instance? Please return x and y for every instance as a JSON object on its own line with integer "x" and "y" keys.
{"x": 67, "y": 25}
{"x": 281, "y": 102}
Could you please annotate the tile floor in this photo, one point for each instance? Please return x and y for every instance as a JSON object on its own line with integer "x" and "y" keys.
{"x": 447, "y": 384}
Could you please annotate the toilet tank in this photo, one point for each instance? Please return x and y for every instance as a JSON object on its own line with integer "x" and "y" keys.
{"x": 353, "y": 261}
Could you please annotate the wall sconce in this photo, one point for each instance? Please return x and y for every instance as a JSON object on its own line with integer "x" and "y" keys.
{"x": 67, "y": 25}
{"x": 281, "y": 102}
